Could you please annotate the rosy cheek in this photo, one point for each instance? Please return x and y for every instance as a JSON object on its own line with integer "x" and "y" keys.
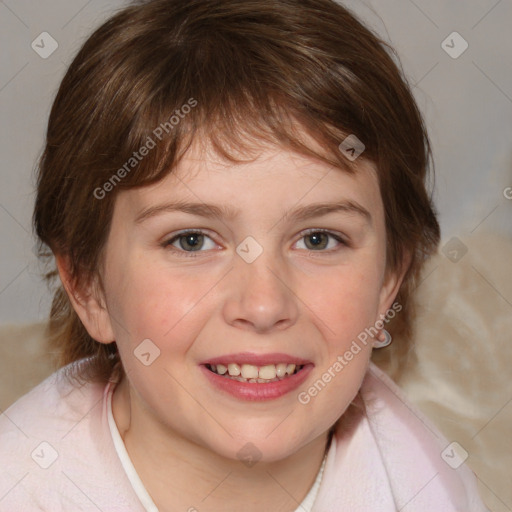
{"x": 162, "y": 311}
{"x": 350, "y": 297}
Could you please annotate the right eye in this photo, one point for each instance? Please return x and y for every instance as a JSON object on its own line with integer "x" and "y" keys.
{"x": 188, "y": 242}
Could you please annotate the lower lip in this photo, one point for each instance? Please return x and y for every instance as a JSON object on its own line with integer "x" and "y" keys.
{"x": 256, "y": 391}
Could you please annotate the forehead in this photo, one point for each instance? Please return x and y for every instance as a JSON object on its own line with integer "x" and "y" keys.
{"x": 201, "y": 163}
{"x": 276, "y": 179}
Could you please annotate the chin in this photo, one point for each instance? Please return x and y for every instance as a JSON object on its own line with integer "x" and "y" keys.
{"x": 263, "y": 445}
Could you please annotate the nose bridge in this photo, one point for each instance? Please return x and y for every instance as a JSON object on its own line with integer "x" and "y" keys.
{"x": 259, "y": 295}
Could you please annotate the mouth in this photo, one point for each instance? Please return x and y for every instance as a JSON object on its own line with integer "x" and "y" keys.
{"x": 255, "y": 374}
{"x": 256, "y": 377}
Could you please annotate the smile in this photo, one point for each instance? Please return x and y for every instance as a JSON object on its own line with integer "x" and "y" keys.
{"x": 254, "y": 374}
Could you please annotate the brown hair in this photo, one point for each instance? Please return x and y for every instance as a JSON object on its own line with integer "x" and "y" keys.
{"x": 248, "y": 70}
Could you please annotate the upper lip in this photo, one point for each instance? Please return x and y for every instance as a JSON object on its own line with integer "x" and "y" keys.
{"x": 256, "y": 359}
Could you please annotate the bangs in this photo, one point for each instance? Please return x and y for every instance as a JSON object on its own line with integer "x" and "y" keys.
{"x": 261, "y": 88}
{"x": 235, "y": 132}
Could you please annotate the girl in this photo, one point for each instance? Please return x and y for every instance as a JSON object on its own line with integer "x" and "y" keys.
{"x": 234, "y": 193}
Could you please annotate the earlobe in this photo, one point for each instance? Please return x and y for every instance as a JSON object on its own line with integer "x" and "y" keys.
{"x": 88, "y": 302}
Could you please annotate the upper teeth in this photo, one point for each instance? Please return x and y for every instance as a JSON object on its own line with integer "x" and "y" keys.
{"x": 249, "y": 371}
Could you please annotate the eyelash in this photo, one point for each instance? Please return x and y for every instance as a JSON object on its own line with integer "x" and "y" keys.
{"x": 167, "y": 244}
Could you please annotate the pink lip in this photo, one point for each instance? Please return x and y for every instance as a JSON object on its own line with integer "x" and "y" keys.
{"x": 256, "y": 359}
{"x": 255, "y": 391}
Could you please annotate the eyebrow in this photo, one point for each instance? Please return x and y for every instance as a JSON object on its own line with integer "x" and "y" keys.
{"x": 227, "y": 212}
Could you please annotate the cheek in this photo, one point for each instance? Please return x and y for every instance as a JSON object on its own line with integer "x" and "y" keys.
{"x": 344, "y": 305}
{"x": 346, "y": 302}
{"x": 149, "y": 301}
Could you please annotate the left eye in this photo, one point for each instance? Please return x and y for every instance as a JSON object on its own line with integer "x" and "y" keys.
{"x": 319, "y": 240}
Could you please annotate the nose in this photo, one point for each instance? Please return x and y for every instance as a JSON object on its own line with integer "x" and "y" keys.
{"x": 260, "y": 295}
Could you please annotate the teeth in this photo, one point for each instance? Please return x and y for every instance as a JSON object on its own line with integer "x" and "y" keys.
{"x": 253, "y": 374}
{"x": 268, "y": 372}
{"x": 249, "y": 371}
{"x": 234, "y": 369}
{"x": 281, "y": 370}
{"x": 221, "y": 369}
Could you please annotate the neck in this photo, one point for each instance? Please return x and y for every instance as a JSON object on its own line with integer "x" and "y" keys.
{"x": 182, "y": 475}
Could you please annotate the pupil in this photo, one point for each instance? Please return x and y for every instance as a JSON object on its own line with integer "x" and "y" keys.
{"x": 193, "y": 241}
{"x": 317, "y": 238}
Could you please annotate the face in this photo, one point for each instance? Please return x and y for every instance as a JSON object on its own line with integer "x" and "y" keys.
{"x": 263, "y": 279}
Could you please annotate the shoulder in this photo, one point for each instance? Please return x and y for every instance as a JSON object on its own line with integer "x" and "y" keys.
{"x": 421, "y": 463}
{"x": 53, "y": 441}
{"x": 52, "y": 405}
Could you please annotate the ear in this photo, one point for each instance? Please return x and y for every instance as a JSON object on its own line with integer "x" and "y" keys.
{"x": 392, "y": 281}
{"x": 89, "y": 304}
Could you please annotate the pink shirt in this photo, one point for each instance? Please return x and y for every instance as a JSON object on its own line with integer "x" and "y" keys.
{"x": 60, "y": 450}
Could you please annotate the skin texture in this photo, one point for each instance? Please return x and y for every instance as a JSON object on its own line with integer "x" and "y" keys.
{"x": 298, "y": 298}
